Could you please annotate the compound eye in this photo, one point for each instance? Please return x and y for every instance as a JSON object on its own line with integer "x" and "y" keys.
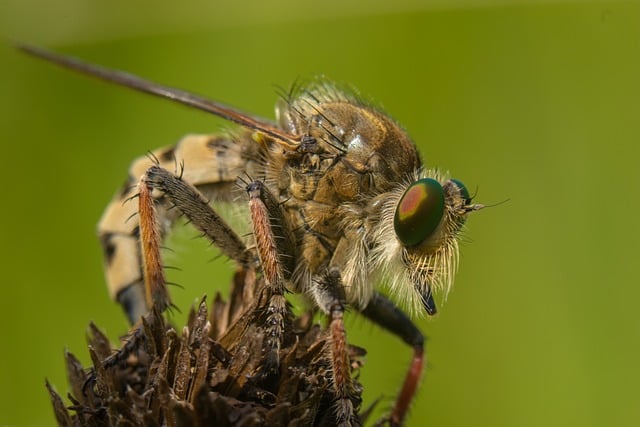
{"x": 464, "y": 193}
{"x": 419, "y": 212}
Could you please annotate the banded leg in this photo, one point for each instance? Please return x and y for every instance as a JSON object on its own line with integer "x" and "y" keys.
{"x": 211, "y": 163}
{"x": 383, "y": 312}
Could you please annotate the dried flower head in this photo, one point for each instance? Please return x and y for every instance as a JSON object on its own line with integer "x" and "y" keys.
{"x": 213, "y": 373}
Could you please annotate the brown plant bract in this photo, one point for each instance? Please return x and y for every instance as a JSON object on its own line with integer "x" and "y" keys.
{"x": 213, "y": 373}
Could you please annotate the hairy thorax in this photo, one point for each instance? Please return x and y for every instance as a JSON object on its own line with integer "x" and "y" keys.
{"x": 350, "y": 153}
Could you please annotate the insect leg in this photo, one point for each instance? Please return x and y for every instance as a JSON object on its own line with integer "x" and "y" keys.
{"x": 212, "y": 163}
{"x": 275, "y": 246}
{"x": 329, "y": 293}
{"x": 156, "y": 297}
{"x": 195, "y": 207}
{"x": 188, "y": 200}
{"x": 156, "y": 293}
{"x": 383, "y": 312}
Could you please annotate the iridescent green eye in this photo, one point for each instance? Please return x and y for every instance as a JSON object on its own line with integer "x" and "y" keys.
{"x": 463, "y": 191}
{"x": 419, "y": 212}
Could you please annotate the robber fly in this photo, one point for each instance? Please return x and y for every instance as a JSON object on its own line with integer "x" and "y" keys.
{"x": 339, "y": 202}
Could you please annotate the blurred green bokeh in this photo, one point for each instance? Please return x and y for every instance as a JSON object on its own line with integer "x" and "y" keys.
{"x": 538, "y": 103}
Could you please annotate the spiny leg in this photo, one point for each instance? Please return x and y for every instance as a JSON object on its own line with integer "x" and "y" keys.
{"x": 329, "y": 293}
{"x": 275, "y": 246}
{"x": 156, "y": 294}
{"x": 188, "y": 200}
{"x": 383, "y": 312}
{"x": 211, "y": 163}
{"x": 192, "y": 204}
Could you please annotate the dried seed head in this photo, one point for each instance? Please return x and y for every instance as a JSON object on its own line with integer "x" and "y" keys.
{"x": 211, "y": 374}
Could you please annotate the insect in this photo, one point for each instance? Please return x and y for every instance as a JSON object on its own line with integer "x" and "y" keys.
{"x": 339, "y": 201}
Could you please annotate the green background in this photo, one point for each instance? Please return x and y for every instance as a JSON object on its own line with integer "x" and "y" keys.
{"x": 538, "y": 103}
